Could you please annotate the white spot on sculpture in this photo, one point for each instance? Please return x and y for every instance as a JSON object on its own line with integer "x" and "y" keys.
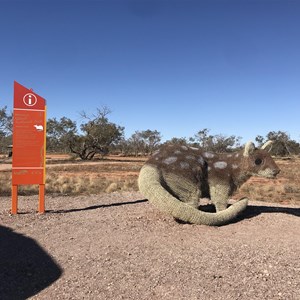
{"x": 201, "y": 160}
{"x": 170, "y": 160}
{"x": 190, "y": 157}
{"x": 184, "y": 165}
{"x": 234, "y": 166}
{"x": 208, "y": 155}
{"x": 220, "y": 165}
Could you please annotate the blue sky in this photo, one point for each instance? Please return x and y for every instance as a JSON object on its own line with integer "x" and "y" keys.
{"x": 172, "y": 66}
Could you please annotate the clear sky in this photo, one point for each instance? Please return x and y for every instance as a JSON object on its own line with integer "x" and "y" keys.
{"x": 172, "y": 66}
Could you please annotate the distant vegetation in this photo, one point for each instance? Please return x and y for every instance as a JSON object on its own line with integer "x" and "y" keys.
{"x": 97, "y": 136}
{"x": 5, "y": 129}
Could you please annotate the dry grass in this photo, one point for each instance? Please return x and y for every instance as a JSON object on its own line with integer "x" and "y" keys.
{"x": 76, "y": 178}
{"x": 120, "y": 174}
{"x": 5, "y": 186}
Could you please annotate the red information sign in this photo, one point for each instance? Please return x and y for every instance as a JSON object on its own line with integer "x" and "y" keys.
{"x": 29, "y": 146}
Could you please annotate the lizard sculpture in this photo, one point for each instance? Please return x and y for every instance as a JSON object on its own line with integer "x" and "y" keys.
{"x": 176, "y": 177}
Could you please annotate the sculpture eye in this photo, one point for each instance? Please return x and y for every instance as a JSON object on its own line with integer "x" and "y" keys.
{"x": 258, "y": 161}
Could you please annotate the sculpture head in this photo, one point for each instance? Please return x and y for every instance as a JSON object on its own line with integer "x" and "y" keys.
{"x": 259, "y": 162}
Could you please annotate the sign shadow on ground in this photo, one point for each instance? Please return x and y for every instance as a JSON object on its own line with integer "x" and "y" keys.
{"x": 96, "y": 207}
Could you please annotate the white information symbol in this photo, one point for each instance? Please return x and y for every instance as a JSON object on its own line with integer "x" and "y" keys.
{"x": 29, "y": 99}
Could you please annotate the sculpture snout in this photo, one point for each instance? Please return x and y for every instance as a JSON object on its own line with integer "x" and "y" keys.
{"x": 274, "y": 173}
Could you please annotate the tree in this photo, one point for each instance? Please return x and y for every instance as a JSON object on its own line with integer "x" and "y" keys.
{"x": 136, "y": 143}
{"x": 122, "y": 147}
{"x": 98, "y": 135}
{"x": 60, "y": 134}
{"x": 260, "y": 140}
{"x": 5, "y": 129}
{"x": 283, "y": 145}
{"x": 202, "y": 139}
{"x": 5, "y": 122}
{"x": 224, "y": 143}
{"x": 144, "y": 142}
{"x": 151, "y": 140}
{"x": 177, "y": 141}
{"x": 217, "y": 143}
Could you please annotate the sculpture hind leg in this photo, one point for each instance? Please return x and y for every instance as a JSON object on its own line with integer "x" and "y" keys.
{"x": 183, "y": 189}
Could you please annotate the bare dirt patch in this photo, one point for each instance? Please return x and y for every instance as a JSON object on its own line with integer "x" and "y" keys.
{"x": 117, "y": 246}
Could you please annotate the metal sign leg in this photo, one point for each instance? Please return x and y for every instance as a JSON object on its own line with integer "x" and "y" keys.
{"x": 14, "y": 203}
{"x": 42, "y": 198}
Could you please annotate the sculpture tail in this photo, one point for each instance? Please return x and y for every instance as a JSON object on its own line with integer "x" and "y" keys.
{"x": 150, "y": 186}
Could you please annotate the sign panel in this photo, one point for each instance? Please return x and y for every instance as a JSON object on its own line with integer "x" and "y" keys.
{"x": 29, "y": 135}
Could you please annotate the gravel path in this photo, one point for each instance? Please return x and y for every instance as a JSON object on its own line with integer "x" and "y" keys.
{"x": 117, "y": 246}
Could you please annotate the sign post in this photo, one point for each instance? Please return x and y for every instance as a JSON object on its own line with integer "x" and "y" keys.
{"x": 29, "y": 143}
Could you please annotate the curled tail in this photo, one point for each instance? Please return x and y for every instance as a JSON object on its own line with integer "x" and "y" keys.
{"x": 150, "y": 186}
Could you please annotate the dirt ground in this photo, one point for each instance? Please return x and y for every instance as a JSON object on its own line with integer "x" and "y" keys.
{"x": 118, "y": 246}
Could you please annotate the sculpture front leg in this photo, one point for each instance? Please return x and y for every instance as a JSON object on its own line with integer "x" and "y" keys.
{"x": 219, "y": 194}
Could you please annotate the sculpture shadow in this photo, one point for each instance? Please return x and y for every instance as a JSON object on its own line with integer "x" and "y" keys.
{"x": 253, "y": 211}
{"x": 92, "y": 207}
{"x": 25, "y": 267}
